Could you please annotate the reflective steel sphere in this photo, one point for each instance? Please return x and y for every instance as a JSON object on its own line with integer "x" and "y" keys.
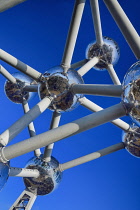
{"x": 49, "y": 179}
{"x": 58, "y": 84}
{"x": 108, "y": 53}
{"x": 4, "y": 174}
{"x": 132, "y": 141}
{"x": 15, "y": 92}
{"x": 131, "y": 92}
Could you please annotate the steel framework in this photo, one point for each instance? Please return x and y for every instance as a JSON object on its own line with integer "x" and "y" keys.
{"x": 56, "y": 132}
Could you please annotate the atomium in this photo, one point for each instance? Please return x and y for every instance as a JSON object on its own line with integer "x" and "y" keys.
{"x": 58, "y": 84}
{"x": 108, "y": 53}
{"x": 132, "y": 141}
{"x": 62, "y": 89}
{"x": 131, "y": 92}
{"x": 16, "y": 92}
{"x": 49, "y": 178}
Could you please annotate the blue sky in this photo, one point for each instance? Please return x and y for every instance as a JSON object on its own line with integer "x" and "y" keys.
{"x": 35, "y": 32}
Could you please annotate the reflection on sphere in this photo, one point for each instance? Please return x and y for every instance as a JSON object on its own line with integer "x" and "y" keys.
{"x": 59, "y": 84}
{"x": 15, "y": 92}
{"x": 131, "y": 92}
{"x": 108, "y": 53}
{"x": 49, "y": 179}
{"x": 132, "y": 141}
{"x": 4, "y": 174}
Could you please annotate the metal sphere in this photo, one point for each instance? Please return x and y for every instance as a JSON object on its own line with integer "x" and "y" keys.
{"x": 4, "y": 174}
{"x": 108, "y": 53}
{"x": 131, "y": 92}
{"x": 49, "y": 179}
{"x": 15, "y": 92}
{"x": 132, "y": 141}
{"x": 58, "y": 84}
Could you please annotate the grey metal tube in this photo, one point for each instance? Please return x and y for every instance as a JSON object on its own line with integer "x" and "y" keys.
{"x": 7, "y": 75}
{"x": 54, "y": 124}
{"x": 11, "y": 60}
{"x": 127, "y": 29}
{"x": 113, "y": 75}
{"x": 79, "y": 64}
{"x": 31, "y": 88}
{"x": 96, "y": 20}
{"x": 23, "y": 172}
{"x": 31, "y": 127}
{"x": 24, "y": 121}
{"x": 6, "y": 4}
{"x": 84, "y": 69}
{"x": 64, "y": 131}
{"x": 55, "y": 120}
{"x": 91, "y": 156}
{"x": 102, "y": 90}
{"x": 95, "y": 108}
{"x": 73, "y": 32}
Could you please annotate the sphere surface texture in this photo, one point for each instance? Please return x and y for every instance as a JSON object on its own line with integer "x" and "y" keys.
{"x": 49, "y": 179}
{"x": 58, "y": 84}
{"x": 132, "y": 141}
{"x": 131, "y": 92}
{"x": 15, "y": 92}
{"x": 108, "y": 53}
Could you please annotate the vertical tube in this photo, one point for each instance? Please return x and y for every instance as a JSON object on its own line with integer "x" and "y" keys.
{"x": 73, "y": 32}
{"x": 54, "y": 124}
{"x": 31, "y": 127}
{"x": 96, "y": 20}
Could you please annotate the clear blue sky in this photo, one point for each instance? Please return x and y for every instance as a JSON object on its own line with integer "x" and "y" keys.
{"x": 35, "y": 32}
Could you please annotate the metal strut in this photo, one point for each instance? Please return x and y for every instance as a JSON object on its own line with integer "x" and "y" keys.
{"x": 25, "y": 201}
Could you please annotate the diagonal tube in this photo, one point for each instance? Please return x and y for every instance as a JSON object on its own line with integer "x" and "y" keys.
{"x": 102, "y": 90}
{"x": 96, "y": 21}
{"x": 92, "y": 156}
{"x": 64, "y": 131}
{"x": 7, "y": 75}
{"x": 79, "y": 64}
{"x": 127, "y": 29}
{"x": 73, "y": 32}
{"x": 6, "y": 4}
{"x": 24, "y": 121}
{"x": 85, "y": 68}
{"x": 113, "y": 74}
{"x": 11, "y": 60}
{"x": 95, "y": 108}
